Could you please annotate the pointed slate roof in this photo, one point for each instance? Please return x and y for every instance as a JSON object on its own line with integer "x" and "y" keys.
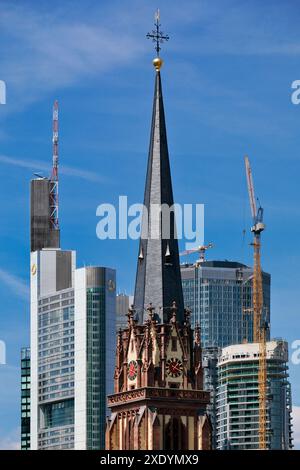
{"x": 158, "y": 278}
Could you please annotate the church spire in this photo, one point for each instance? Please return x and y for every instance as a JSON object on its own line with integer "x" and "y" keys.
{"x": 158, "y": 278}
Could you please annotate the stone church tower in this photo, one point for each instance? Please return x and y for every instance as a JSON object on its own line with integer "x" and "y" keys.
{"x": 158, "y": 401}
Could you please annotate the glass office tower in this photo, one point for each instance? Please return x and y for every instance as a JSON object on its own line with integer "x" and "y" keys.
{"x": 95, "y": 346}
{"x": 219, "y": 294}
{"x": 56, "y": 370}
{"x": 25, "y": 399}
{"x": 123, "y": 302}
{"x": 52, "y": 349}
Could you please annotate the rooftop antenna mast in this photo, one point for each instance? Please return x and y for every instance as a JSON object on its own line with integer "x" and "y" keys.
{"x": 54, "y": 176}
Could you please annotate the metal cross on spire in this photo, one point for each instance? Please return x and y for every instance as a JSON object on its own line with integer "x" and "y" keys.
{"x": 157, "y": 35}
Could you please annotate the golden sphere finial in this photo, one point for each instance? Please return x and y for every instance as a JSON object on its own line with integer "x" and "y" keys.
{"x": 157, "y": 62}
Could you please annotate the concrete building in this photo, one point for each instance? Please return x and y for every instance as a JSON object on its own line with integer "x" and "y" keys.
{"x": 25, "y": 399}
{"x": 237, "y": 397}
{"x": 42, "y": 233}
{"x": 219, "y": 294}
{"x": 68, "y": 362}
{"x": 210, "y": 382}
{"x": 123, "y": 302}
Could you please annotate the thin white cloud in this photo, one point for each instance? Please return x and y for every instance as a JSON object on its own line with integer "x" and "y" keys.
{"x": 296, "y": 426}
{"x": 17, "y": 285}
{"x": 39, "y": 166}
{"x": 50, "y": 49}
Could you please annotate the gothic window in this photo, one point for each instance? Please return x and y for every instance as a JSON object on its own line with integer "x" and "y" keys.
{"x": 175, "y": 434}
{"x": 129, "y": 434}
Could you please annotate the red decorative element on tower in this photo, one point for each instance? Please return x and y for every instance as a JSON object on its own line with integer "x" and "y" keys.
{"x": 54, "y": 176}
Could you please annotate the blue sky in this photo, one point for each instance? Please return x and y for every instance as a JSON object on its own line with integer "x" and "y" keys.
{"x": 227, "y": 80}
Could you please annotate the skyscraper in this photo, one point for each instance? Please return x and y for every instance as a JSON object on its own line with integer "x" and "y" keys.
{"x": 43, "y": 234}
{"x": 95, "y": 346}
{"x": 25, "y": 399}
{"x": 210, "y": 357}
{"x": 123, "y": 303}
{"x": 72, "y": 351}
{"x": 238, "y": 398}
{"x": 72, "y": 331}
{"x": 219, "y": 294}
{"x": 52, "y": 349}
{"x": 158, "y": 401}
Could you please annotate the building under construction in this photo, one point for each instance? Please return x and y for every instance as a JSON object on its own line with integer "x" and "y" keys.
{"x": 237, "y": 414}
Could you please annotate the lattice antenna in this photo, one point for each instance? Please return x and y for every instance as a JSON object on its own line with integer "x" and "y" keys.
{"x": 54, "y": 175}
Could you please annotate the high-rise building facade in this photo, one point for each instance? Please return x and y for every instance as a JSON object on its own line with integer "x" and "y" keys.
{"x": 238, "y": 400}
{"x": 219, "y": 294}
{"x": 95, "y": 346}
{"x": 69, "y": 358}
{"x": 210, "y": 381}
{"x": 25, "y": 399}
{"x": 52, "y": 349}
{"x": 123, "y": 303}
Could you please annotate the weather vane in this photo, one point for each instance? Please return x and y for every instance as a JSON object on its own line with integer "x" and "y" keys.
{"x": 157, "y": 36}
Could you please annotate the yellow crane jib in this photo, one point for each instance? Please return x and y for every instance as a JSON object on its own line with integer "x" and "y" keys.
{"x": 259, "y": 324}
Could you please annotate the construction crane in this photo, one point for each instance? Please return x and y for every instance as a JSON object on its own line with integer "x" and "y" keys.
{"x": 259, "y": 323}
{"x": 200, "y": 249}
{"x": 54, "y": 176}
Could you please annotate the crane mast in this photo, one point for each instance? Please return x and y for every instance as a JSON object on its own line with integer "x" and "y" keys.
{"x": 250, "y": 188}
{"x": 259, "y": 324}
{"x": 54, "y": 176}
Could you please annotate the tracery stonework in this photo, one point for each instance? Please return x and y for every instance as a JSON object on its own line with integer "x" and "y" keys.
{"x": 167, "y": 412}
